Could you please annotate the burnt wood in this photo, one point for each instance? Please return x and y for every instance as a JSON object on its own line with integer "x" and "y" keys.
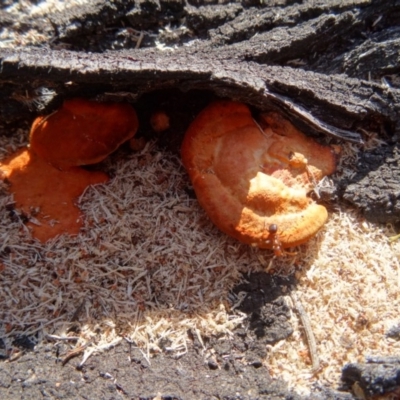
{"x": 376, "y": 377}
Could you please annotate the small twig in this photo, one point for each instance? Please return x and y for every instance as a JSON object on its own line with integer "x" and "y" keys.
{"x": 261, "y": 129}
{"x": 139, "y": 40}
{"x": 86, "y": 356}
{"x": 73, "y": 353}
{"x": 55, "y": 337}
{"x": 15, "y": 356}
{"x": 305, "y": 320}
{"x": 46, "y": 118}
{"x": 90, "y": 351}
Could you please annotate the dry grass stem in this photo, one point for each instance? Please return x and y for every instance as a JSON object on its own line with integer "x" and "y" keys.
{"x": 305, "y": 321}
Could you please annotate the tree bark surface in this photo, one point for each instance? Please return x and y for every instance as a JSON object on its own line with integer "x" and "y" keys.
{"x": 331, "y": 67}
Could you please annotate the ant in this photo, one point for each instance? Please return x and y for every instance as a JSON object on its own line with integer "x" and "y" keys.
{"x": 274, "y": 239}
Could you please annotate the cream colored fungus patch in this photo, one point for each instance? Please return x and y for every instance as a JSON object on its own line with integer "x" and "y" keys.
{"x": 149, "y": 265}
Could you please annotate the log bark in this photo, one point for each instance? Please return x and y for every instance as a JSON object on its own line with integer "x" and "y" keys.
{"x": 377, "y": 377}
{"x": 331, "y": 67}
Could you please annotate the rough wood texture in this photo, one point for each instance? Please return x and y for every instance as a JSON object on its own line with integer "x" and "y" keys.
{"x": 379, "y": 171}
{"x": 331, "y": 67}
{"x": 377, "y": 377}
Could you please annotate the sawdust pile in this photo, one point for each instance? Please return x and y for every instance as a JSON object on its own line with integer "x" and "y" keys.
{"x": 149, "y": 265}
{"x": 142, "y": 268}
{"x": 351, "y": 295}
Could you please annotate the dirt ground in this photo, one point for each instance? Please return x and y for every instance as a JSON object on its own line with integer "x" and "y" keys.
{"x": 235, "y": 371}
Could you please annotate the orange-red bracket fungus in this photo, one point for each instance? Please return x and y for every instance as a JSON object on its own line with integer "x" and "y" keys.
{"x": 46, "y": 180}
{"x": 254, "y": 182}
{"x": 48, "y": 193}
{"x": 82, "y": 132}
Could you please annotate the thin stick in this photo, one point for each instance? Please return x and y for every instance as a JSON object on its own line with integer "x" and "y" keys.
{"x": 56, "y": 337}
{"x": 305, "y": 320}
{"x": 73, "y": 353}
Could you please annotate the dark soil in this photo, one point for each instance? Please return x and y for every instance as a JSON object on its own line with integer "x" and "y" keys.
{"x": 122, "y": 373}
{"x": 234, "y": 371}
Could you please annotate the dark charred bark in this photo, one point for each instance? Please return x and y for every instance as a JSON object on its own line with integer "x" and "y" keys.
{"x": 379, "y": 171}
{"x": 376, "y": 377}
{"x": 331, "y": 67}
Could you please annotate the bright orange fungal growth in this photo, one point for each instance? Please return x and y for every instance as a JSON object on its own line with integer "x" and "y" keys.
{"x": 47, "y": 193}
{"x": 250, "y": 179}
{"x": 82, "y": 132}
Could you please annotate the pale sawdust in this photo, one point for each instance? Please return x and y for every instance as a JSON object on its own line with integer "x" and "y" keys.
{"x": 142, "y": 268}
{"x": 351, "y": 294}
{"x": 149, "y": 265}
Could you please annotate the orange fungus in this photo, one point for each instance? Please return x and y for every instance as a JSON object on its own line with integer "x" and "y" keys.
{"x": 82, "y": 132}
{"x": 46, "y": 180}
{"x": 47, "y": 194}
{"x": 254, "y": 181}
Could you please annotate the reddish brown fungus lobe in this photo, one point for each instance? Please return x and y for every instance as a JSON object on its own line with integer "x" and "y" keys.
{"x": 82, "y": 132}
{"x": 159, "y": 121}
